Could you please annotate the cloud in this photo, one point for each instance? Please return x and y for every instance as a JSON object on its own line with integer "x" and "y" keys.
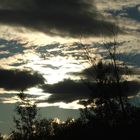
{"x": 106, "y": 71}
{"x": 10, "y": 48}
{"x": 56, "y": 17}
{"x": 131, "y": 58}
{"x": 132, "y": 12}
{"x": 68, "y": 90}
{"x": 19, "y": 80}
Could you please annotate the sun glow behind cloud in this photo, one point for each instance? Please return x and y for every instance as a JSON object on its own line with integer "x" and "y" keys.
{"x": 11, "y": 100}
{"x": 56, "y": 68}
{"x": 53, "y": 69}
{"x": 72, "y": 105}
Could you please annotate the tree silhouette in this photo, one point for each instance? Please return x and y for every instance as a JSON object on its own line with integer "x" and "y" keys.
{"x": 108, "y": 76}
{"x": 108, "y": 104}
{"x": 25, "y": 123}
{"x": 28, "y": 124}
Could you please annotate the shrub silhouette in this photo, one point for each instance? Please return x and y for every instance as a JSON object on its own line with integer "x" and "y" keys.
{"x": 1, "y": 137}
{"x": 25, "y": 123}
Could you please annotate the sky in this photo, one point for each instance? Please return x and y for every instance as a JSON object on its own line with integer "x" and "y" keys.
{"x": 40, "y": 42}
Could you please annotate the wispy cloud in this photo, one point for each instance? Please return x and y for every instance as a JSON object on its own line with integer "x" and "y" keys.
{"x": 10, "y": 48}
{"x": 131, "y": 12}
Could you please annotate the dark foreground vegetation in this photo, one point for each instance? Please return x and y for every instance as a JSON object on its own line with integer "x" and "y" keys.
{"x": 95, "y": 122}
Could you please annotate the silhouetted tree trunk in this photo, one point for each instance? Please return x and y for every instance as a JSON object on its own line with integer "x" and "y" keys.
{"x": 113, "y": 56}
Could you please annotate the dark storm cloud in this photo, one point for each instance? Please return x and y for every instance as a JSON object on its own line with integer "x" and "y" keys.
{"x": 57, "y": 17}
{"x": 68, "y": 90}
{"x": 19, "y": 80}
